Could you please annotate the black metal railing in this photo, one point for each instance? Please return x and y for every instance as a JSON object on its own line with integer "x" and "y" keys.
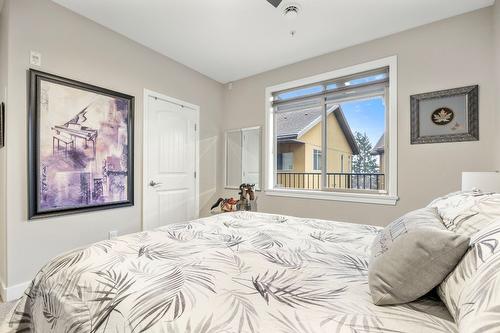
{"x": 334, "y": 180}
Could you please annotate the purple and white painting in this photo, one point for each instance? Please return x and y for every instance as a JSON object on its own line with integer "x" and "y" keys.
{"x": 83, "y": 147}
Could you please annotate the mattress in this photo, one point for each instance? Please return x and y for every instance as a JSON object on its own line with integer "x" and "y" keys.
{"x": 234, "y": 272}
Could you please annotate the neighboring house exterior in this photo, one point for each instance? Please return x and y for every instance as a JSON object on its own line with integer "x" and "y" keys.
{"x": 299, "y": 146}
{"x": 379, "y": 151}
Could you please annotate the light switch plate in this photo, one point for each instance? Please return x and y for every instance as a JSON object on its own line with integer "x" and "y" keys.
{"x": 36, "y": 58}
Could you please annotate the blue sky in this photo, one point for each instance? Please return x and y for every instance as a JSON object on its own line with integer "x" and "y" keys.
{"x": 366, "y": 116}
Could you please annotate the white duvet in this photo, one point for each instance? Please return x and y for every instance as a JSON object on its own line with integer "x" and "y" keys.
{"x": 236, "y": 272}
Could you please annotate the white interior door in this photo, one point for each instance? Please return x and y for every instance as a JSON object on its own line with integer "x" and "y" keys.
{"x": 170, "y": 166}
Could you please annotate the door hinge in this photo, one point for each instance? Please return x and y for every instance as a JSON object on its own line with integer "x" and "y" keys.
{"x": 195, "y": 127}
{"x": 195, "y": 174}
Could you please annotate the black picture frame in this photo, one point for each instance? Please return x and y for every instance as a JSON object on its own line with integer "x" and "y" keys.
{"x": 471, "y": 112}
{"x": 2, "y": 125}
{"x": 34, "y": 79}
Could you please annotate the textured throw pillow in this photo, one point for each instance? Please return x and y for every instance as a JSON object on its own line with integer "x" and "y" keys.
{"x": 411, "y": 256}
{"x": 472, "y": 291}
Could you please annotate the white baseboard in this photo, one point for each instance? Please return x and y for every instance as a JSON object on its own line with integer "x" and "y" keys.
{"x": 14, "y": 292}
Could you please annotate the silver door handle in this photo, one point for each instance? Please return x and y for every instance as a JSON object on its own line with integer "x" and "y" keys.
{"x": 153, "y": 183}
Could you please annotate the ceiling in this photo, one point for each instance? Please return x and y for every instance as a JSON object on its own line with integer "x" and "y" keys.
{"x": 232, "y": 39}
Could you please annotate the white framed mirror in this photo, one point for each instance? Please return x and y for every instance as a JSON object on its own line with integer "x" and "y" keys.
{"x": 242, "y": 157}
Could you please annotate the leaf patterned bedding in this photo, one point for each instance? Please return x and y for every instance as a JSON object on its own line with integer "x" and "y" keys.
{"x": 234, "y": 272}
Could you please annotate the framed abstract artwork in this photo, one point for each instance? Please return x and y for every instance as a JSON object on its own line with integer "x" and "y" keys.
{"x": 80, "y": 145}
{"x": 2, "y": 125}
{"x": 445, "y": 116}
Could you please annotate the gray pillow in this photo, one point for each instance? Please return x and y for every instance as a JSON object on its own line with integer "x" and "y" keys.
{"x": 411, "y": 256}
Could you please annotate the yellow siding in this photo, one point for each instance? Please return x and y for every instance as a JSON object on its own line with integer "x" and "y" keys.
{"x": 298, "y": 155}
{"x": 338, "y": 146}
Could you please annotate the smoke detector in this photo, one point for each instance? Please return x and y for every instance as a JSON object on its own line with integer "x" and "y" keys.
{"x": 291, "y": 10}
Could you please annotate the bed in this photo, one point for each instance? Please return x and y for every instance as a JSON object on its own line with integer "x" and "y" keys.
{"x": 234, "y": 272}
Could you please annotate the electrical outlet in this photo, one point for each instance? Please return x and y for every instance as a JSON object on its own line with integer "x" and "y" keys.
{"x": 112, "y": 234}
{"x": 36, "y": 58}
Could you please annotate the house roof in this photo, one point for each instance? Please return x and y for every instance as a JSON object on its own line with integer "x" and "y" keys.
{"x": 379, "y": 147}
{"x": 293, "y": 124}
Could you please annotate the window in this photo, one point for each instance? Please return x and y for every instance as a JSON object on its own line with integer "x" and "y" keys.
{"x": 347, "y": 118}
{"x": 285, "y": 161}
{"x": 316, "y": 159}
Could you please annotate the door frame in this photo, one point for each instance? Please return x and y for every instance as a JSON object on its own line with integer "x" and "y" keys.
{"x": 145, "y": 159}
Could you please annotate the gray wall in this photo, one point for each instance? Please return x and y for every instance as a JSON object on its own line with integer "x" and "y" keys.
{"x": 3, "y": 86}
{"x": 447, "y": 54}
{"x": 78, "y": 48}
{"x": 496, "y": 36}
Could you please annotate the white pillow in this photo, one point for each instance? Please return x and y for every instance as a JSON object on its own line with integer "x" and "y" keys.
{"x": 467, "y": 212}
{"x": 472, "y": 291}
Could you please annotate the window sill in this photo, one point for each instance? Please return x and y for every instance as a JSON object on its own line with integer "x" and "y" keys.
{"x": 378, "y": 199}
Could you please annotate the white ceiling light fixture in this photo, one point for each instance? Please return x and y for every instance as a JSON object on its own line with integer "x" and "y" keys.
{"x": 291, "y": 11}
